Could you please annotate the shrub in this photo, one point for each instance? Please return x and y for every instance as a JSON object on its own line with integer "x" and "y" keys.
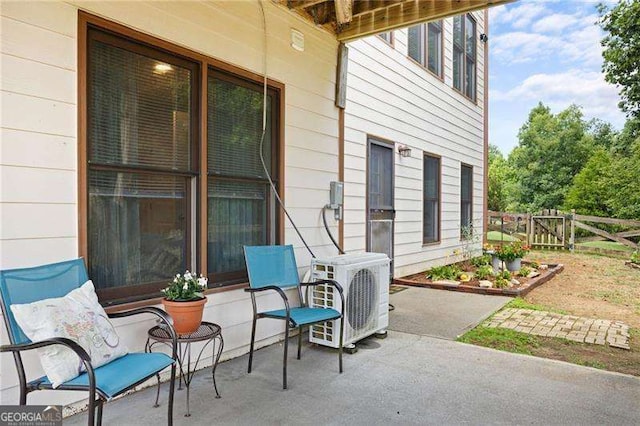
{"x": 534, "y": 265}
{"x": 635, "y": 257}
{"x": 501, "y": 282}
{"x": 505, "y": 274}
{"x": 446, "y": 272}
{"x": 524, "y": 271}
{"x": 483, "y": 260}
{"x": 483, "y": 272}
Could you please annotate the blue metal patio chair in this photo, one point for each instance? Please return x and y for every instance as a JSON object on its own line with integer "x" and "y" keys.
{"x": 28, "y": 285}
{"x": 274, "y": 268}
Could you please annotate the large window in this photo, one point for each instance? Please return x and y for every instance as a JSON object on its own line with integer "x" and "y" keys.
{"x": 144, "y": 184}
{"x": 240, "y": 204}
{"x": 466, "y": 196}
{"x": 464, "y": 55}
{"x": 425, "y": 46}
{"x": 431, "y": 199}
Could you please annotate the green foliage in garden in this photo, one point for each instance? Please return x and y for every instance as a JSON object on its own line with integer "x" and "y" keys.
{"x": 479, "y": 261}
{"x": 484, "y": 272}
{"x": 524, "y": 271}
{"x": 446, "y": 272}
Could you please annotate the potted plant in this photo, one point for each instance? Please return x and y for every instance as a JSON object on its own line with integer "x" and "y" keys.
{"x": 184, "y": 301}
{"x": 511, "y": 254}
{"x": 496, "y": 263}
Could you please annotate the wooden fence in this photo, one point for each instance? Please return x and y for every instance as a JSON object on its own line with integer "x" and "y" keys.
{"x": 554, "y": 229}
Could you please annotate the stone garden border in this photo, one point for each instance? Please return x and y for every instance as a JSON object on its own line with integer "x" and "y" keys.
{"x": 554, "y": 269}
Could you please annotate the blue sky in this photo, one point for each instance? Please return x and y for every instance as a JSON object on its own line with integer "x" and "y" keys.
{"x": 545, "y": 51}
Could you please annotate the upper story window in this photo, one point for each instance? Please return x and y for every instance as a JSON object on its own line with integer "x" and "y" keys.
{"x": 141, "y": 215}
{"x": 388, "y": 37}
{"x": 425, "y": 46}
{"x": 464, "y": 55}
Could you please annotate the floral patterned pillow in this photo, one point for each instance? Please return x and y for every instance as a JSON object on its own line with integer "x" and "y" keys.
{"x": 77, "y": 316}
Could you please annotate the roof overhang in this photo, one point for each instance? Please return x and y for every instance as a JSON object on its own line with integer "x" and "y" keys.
{"x": 352, "y": 19}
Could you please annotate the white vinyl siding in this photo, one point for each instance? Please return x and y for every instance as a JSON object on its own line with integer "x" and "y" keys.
{"x": 389, "y": 97}
{"x": 38, "y": 170}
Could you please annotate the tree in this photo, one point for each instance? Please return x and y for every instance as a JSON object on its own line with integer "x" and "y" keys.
{"x": 552, "y": 150}
{"x": 498, "y": 171}
{"x": 625, "y": 185}
{"x": 603, "y": 133}
{"x": 622, "y": 51}
{"x": 625, "y": 140}
{"x": 591, "y": 192}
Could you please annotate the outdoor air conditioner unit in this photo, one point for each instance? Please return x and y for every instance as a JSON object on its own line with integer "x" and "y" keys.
{"x": 364, "y": 278}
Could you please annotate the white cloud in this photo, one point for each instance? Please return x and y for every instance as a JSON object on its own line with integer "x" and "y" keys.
{"x": 587, "y": 89}
{"x": 519, "y": 15}
{"x": 547, "y": 51}
{"x": 554, "y": 23}
{"x": 559, "y": 37}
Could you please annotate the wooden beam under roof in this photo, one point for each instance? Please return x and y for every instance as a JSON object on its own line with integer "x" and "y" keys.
{"x": 344, "y": 11}
{"x": 302, "y": 4}
{"x": 408, "y": 13}
{"x": 325, "y": 13}
{"x": 370, "y": 17}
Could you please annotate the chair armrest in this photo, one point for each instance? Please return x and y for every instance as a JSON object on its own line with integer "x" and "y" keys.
{"x": 164, "y": 317}
{"x": 332, "y": 283}
{"x": 79, "y": 350}
{"x": 275, "y": 288}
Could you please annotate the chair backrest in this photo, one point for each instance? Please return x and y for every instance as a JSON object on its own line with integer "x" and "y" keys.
{"x": 271, "y": 265}
{"x": 28, "y": 285}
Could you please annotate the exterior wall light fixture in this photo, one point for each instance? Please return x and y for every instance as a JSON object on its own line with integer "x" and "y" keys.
{"x": 404, "y": 151}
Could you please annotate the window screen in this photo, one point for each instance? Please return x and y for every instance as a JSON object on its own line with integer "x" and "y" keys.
{"x": 464, "y": 55}
{"x": 140, "y": 142}
{"x": 380, "y": 177}
{"x": 240, "y": 210}
{"x": 466, "y": 196}
{"x": 434, "y": 47}
{"x": 431, "y": 199}
{"x": 416, "y": 43}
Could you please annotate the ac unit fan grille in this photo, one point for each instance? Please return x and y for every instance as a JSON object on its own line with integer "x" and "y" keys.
{"x": 362, "y": 299}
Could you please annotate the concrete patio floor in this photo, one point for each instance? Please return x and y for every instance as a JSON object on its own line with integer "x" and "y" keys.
{"x": 404, "y": 379}
{"x": 441, "y": 313}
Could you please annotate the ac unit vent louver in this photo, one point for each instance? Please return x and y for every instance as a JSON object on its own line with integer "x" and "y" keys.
{"x": 364, "y": 278}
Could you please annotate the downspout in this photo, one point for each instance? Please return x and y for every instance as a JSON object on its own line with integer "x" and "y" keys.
{"x": 341, "y": 103}
{"x": 485, "y": 203}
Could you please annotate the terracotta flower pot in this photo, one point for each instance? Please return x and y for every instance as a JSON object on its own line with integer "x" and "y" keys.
{"x": 186, "y": 316}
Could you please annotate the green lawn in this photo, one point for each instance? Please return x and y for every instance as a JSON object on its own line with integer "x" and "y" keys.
{"x": 606, "y": 245}
{"x": 498, "y": 236}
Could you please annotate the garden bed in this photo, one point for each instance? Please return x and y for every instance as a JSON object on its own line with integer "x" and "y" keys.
{"x": 473, "y": 286}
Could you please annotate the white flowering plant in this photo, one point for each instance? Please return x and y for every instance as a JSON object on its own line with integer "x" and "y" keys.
{"x": 186, "y": 287}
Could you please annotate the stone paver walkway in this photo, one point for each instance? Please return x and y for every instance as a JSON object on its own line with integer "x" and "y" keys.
{"x": 548, "y": 324}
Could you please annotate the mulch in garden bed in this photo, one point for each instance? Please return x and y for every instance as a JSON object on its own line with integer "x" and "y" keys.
{"x": 525, "y": 286}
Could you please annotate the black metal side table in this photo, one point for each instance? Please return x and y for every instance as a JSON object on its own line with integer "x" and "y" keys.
{"x": 207, "y": 332}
